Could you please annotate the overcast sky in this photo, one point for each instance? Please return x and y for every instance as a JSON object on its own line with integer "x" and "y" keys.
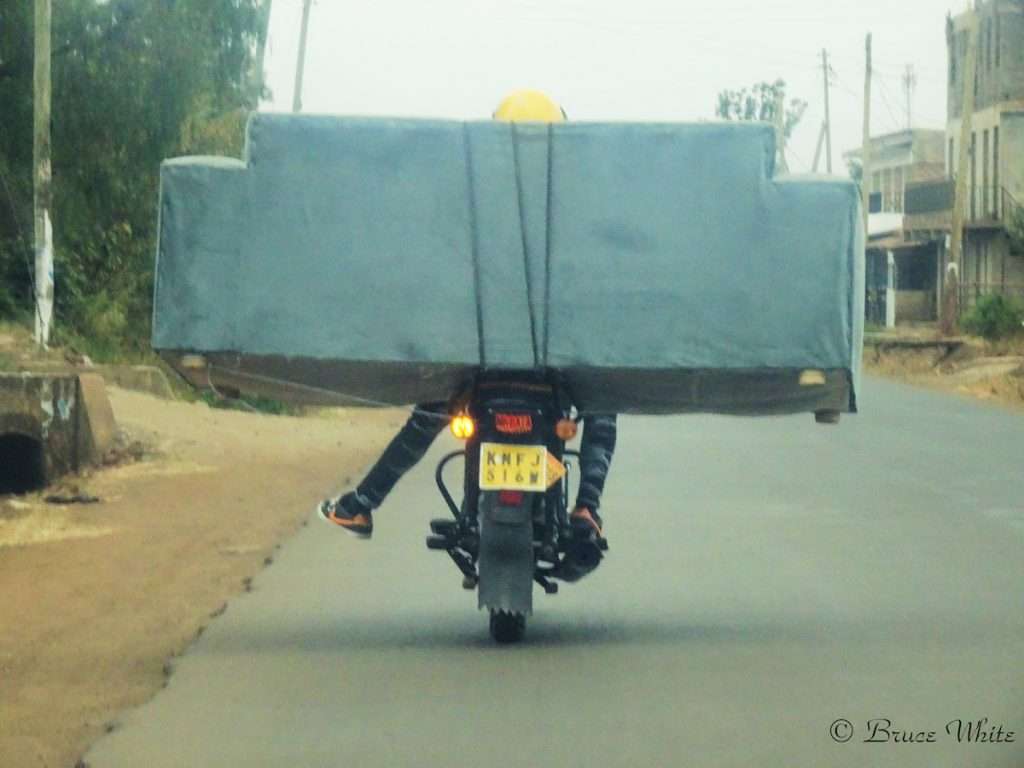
{"x": 604, "y": 60}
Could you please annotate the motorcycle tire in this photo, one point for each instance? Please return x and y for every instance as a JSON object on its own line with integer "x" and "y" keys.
{"x": 507, "y": 627}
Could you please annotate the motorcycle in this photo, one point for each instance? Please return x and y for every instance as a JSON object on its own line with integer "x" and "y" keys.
{"x": 511, "y": 529}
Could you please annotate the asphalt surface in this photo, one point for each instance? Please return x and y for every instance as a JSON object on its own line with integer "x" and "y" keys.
{"x": 767, "y": 578}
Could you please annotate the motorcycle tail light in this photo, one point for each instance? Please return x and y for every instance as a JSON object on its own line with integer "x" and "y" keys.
{"x": 513, "y": 423}
{"x": 462, "y": 426}
{"x": 510, "y": 498}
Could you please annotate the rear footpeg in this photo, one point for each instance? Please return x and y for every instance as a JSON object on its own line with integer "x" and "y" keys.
{"x": 435, "y": 541}
{"x": 550, "y": 587}
{"x": 444, "y": 527}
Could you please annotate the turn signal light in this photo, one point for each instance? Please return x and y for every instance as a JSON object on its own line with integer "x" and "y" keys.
{"x": 565, "y": 429}
{"x": 193, "y": 362}
{"x": 462, "y": 426}
{"x": 812, "y": 378}
{"x": 510, "y": 498}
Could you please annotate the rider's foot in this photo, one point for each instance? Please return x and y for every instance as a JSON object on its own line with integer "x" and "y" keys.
{"x": 349, "y": 514}
{"x": 583, "y": 519}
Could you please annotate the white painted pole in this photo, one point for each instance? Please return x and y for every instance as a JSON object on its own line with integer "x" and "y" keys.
{"x": 42, "y": 176}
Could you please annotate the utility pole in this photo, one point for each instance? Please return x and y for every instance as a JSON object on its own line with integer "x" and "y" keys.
{"x": 951, "y": 285}
{"x": 780, "y": 130}
{"x": 909, "y": 84}
{"x": 828, "y": 114}
{"x": 301, "y": 65}
{"x": 817, "y": 148}
{"x": 42, "y": 176}
{"x": 865, "y": 181}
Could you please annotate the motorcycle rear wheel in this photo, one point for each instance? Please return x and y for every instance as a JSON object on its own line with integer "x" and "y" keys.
{"x": 507, "y": 627}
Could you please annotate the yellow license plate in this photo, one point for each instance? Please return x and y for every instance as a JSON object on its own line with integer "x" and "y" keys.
{"x": 513, "y": 467}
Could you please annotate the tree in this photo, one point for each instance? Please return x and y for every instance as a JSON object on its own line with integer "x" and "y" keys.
{"x": 15, "y": 158}
{"x": 134, "y": 82}
{"x": 758, "y": 103}
{"x": 855, "y": 169}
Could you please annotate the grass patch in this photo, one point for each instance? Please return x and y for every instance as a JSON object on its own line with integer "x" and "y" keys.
{"x": 103, "y": 349}
{"x": 250, "y": 403}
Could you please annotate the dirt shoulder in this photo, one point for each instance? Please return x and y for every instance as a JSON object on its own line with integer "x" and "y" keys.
{"x": 98, "y": 597}
{"x": 967, "y": 366}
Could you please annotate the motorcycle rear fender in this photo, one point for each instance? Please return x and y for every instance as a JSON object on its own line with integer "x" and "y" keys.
{"x": 506, "y": 560}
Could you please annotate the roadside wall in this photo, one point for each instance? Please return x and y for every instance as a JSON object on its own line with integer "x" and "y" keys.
{"x": 915, "y": 306}
{"x": 68, "y": 416}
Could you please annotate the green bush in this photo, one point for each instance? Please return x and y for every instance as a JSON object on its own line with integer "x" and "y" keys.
{"x": 994, "y": 317}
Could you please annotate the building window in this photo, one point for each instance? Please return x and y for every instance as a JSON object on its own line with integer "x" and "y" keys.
{"x": 898, "y": 190}
{"x": 876, "y": 183}
{"x": 997, "y": 203}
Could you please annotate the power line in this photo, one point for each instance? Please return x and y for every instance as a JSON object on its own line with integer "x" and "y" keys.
{"x": 888, "y": 106}
{"x": 843, "y": 87}
{"x": 909, "y": 84}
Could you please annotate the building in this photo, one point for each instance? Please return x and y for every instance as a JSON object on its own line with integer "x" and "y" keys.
{"x": 903, "y": 273}
{"x": 993, "y": 252}
{"x": 899, "y": 159}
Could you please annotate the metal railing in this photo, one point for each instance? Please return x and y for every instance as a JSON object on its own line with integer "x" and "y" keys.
{"x": 984, "y": 202}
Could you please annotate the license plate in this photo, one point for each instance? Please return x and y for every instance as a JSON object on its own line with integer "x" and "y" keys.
{"x": 513, "y": 467}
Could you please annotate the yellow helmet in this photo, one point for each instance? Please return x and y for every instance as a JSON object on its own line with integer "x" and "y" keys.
{"x": 529, "y": 107}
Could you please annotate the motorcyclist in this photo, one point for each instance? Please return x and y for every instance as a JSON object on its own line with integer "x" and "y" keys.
{"x": 353, "y": 511}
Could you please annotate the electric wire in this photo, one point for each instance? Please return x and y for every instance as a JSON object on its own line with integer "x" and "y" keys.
{"x": 884, "y": 91}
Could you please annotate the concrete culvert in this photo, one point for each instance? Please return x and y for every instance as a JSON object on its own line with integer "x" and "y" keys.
{"x": 22, "y": 467}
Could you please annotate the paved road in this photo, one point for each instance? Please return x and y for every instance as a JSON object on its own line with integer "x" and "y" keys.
{"x": 767, "y": 577}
